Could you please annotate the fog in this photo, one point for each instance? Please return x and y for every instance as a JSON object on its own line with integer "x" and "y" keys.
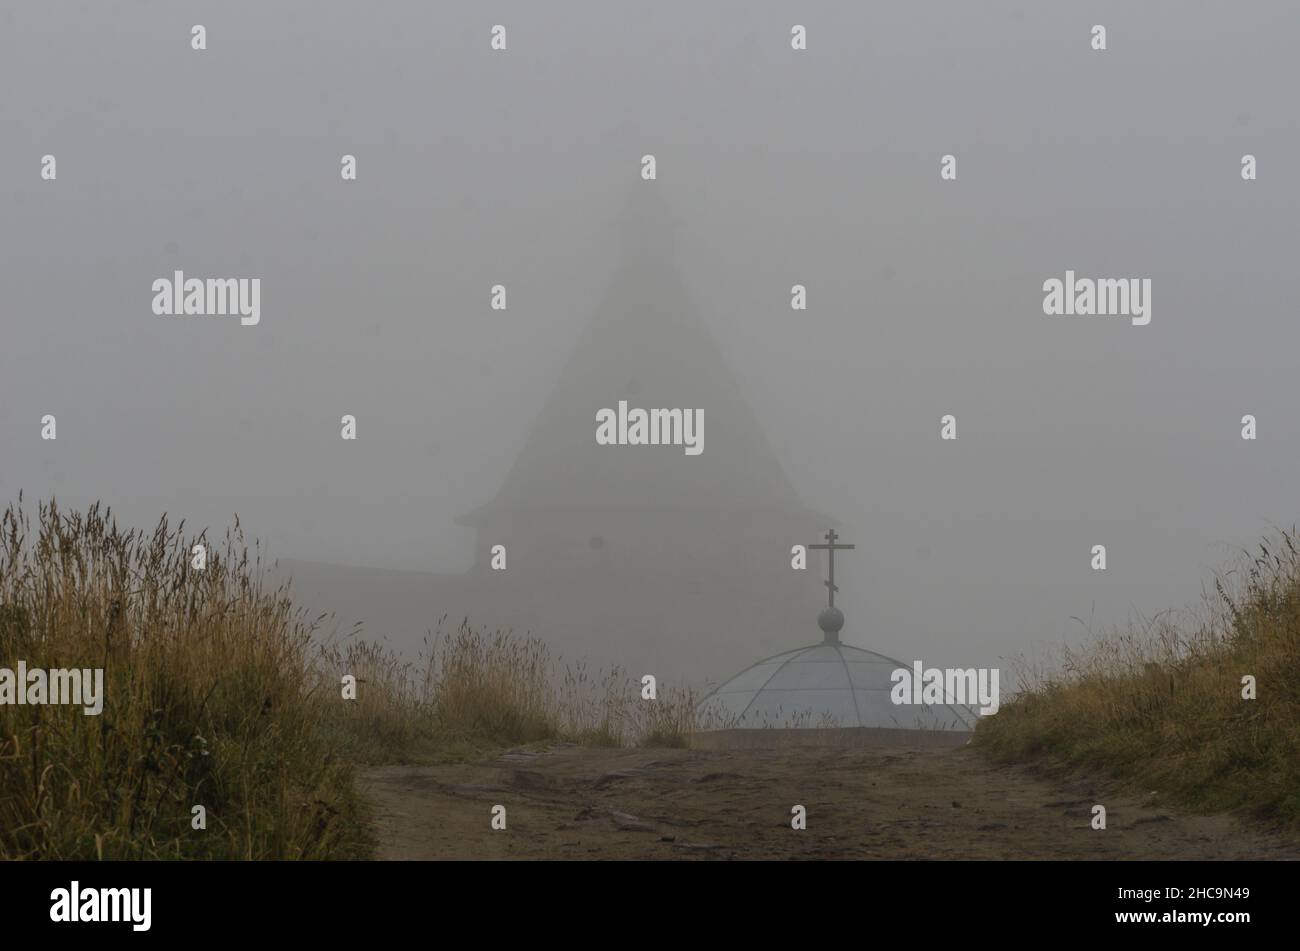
{"x": 776, "y": 167}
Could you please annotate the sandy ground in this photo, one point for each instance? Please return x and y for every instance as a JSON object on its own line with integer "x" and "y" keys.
{"x": 577, "y": 803}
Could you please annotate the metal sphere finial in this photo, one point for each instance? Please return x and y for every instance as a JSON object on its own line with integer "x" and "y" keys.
{"x": 831, "y": 621}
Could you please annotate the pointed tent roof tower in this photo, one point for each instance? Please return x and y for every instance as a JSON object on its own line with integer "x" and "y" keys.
{"x": 646, "y": 346}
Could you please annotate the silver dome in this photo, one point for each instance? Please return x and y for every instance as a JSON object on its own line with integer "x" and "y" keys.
{"x": 824, "y": 685}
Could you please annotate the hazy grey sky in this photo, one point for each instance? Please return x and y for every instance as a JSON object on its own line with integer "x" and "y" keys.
{"x": 818, "y": 167}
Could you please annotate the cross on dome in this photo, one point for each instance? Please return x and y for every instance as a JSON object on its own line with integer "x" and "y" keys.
{"x": 832, "y": 548}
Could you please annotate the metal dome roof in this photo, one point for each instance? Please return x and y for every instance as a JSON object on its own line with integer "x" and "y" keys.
{"x": 824, "y": 685}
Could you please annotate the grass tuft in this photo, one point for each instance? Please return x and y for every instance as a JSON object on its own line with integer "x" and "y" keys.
{"x": 210, "y": 700}
{"x": 1162, "y": 705}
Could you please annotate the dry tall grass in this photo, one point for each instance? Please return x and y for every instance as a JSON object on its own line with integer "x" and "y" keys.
{"x": 220, "y": 693}
{"x": 472, "y": 690}
{"x": 1163, "y": 705}
{"x": 210, "y": 699}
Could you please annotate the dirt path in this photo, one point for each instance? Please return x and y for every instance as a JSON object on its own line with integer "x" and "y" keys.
{"x": 575, "y": 803}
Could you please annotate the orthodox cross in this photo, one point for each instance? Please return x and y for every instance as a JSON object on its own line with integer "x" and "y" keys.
{"x": 832, "y": 548}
